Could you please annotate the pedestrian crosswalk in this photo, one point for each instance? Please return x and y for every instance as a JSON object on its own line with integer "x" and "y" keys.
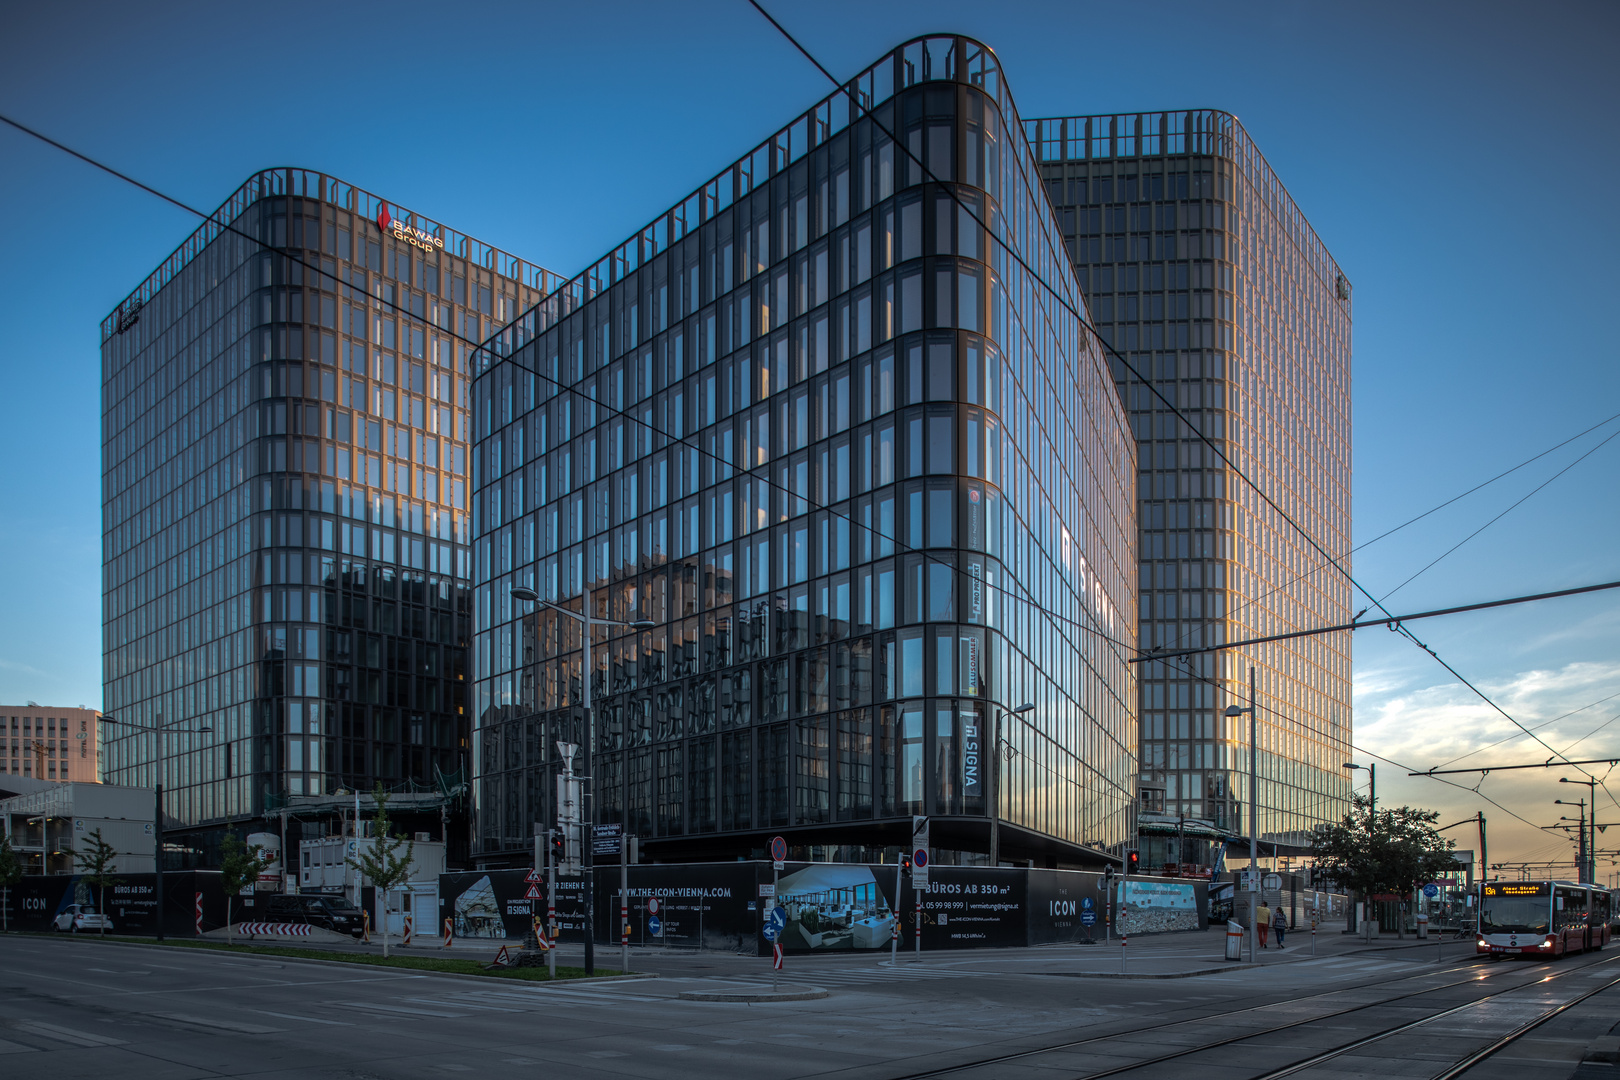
{"x": 831, "y": 976}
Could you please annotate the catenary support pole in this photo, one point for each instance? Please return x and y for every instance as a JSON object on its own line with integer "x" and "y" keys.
{"x": 894, "y": 934}
{"x": 624, "y": 903}
{"x": 587, "y": 842}
{"x": 1254, "y": 824}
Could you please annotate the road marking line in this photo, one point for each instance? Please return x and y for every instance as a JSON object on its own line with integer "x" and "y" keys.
{"x": 16, "y": 1048}
{"x": 304, "y": 1019}
{"x": 462, "y": 1005}
{"x": 400, "y": 1009}
{"x": 220, "y": 1025}
{"x": 67, "y": 1035}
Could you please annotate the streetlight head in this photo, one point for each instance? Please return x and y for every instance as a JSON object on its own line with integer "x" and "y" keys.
{"x": 1234, "y": 710}
{"x": 1351, "y": 765}
{"x": 1028, "y": 706}
{"x": 524, "y": 593}
{"x": 205, "y": 728}
{"x": 641, "y": 624}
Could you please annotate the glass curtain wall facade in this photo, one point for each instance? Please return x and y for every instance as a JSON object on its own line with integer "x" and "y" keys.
{"x": 285, "y": 522}
{"x": 870, "y": 482}
{"x": 1205, "y": 274}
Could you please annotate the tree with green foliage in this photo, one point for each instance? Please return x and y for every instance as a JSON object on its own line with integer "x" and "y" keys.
{"x": 380, "y": 862}
{"x": 11, "y": 872}
{"x": 239, "y": 867}
{"x": 1383, "y": 851}
{"x": 96, "y": 858}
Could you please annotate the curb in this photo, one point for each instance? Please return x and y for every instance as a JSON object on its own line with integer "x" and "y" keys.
{"x": 1152, "y": 974}
{"x": 807, "y": 993}
{"x": 384, "y": 968}
{"x": 1606, "y": 1050}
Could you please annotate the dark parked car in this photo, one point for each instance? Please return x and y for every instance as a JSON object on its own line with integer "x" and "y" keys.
{"x": 326, "y": 912}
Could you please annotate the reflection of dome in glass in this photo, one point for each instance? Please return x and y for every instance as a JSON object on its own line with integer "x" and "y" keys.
{"x": 478, "y": 913}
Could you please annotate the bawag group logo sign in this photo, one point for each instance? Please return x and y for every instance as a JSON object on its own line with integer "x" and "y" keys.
{"x": 424, "y": 240}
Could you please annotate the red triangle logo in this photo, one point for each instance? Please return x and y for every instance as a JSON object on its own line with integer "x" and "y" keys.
{"x": 384, "y": 217}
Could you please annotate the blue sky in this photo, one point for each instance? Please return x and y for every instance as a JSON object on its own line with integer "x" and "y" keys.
{"x": 1458, "y": 159}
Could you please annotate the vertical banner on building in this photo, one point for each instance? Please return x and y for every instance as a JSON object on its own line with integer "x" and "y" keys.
{"x": 972, "y": 754}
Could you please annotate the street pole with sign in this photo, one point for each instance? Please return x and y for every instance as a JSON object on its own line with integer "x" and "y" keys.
{"x": 919, "y": 871}
{"x": 588, "y": 624}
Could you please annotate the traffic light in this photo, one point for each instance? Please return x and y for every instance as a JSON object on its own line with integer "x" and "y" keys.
{"x": 559, "y": 849}
{"x": 905, "y": 866}
{"x": 1133, "y": 861}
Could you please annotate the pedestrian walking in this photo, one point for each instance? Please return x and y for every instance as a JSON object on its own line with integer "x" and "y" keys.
{"x": 1279, "y": 925}
{"x": 1262, "y": 923}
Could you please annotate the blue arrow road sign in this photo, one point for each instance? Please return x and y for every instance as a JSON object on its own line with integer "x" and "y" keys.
{"x": 1088, "y": 917}
{"x": 775, "y": 923}
{"x": 655, "y": 925}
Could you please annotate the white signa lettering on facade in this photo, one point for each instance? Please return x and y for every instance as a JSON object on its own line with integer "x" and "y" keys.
{"x": 971, "y": 776}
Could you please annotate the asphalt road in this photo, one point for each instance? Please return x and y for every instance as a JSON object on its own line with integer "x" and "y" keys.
{"x": 72, "y": 1008}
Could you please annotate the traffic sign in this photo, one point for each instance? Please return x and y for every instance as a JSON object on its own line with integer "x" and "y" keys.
{"x": 652, "y": 905}
{"x": 655, "y": 925}
{"x": 919, "y": 856}
{"x": 775, "y": 922}
{"x": 606, "y": 841}
{"x": 1271, "y": 883}
{"x": 533, "y": 893}
{"x": 1431, "y": 890}
{"x": 766, "y": 892}
{"x": 778, "y": 851}
{"x": 1088, "y": 917}
{"x": 534, "y": 877}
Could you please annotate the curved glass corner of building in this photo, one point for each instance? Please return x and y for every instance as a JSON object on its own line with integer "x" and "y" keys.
{"x": 864, "y": 477}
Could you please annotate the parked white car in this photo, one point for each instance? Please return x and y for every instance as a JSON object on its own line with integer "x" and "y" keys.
{"x": 76, "y": 917}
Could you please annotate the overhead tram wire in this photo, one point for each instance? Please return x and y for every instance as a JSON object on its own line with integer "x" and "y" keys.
{"x": 1127, "y": 365}
{"x": 1309, "y": 731}
{"x": 1545, "y": 724}
{"x": 1068, "y": 306}
{"x": 1501, "y": 515}
{"x": 1302, "y": 575}
{"x": 215, "y": 219}
{"x": 1392, "y": 621}
{"x": 483, "y": 347}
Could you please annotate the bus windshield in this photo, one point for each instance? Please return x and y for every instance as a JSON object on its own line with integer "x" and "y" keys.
{"x": 1515, "y": 915}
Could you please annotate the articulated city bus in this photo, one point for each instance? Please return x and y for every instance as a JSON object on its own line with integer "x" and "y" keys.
{"x": 1541, "y": 918}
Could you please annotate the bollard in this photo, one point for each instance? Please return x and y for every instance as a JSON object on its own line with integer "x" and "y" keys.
{"x": 1122, "y": 943}
{"x": 199, "y": 914}
{"x": 449, "y": 928}
{"x": 1234, "y": 940}
{"x": 407, "y": 940}
{"x": 1313, "y": 937}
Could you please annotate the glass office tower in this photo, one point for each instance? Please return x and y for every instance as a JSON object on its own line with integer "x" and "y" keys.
{"x": 869, "y": 482}
{"x": 284, "y": 437}
{"x": 1203, "y": 272}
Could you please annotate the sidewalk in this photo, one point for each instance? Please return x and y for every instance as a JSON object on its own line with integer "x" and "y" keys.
{"x": 1152, "y": 956}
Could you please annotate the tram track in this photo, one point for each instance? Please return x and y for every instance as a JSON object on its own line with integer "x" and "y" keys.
{"x": 1478, "y": 976}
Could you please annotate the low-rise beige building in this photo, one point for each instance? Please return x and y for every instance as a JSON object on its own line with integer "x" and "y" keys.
{"x": 50, "y": 742}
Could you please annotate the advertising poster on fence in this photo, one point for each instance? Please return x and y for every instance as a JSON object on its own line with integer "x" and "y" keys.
{"x": 970, "y": 907}
{"x": 1151, "y": 907}
{"x": 715, "y": 908}
{"x": 1066, "y": 906}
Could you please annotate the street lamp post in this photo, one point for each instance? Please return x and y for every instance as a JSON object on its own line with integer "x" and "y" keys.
{"x": 162, "y": 729}
{"x": 1372, "y": 795}
{"x": 1254, "y": 827}
{"x": 1372, "y": 782}
{"x": 995, "y": 783}
{"x": 1589, "y": 836}
{"x": 588, "y": 623}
